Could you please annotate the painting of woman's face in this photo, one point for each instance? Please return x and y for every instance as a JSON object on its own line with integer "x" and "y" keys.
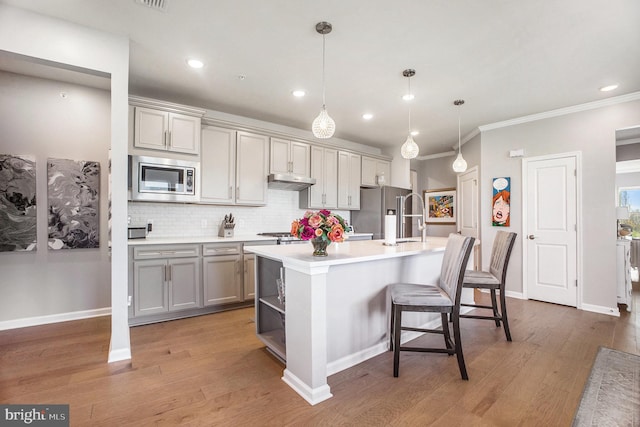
{"x": 500, "y": 211}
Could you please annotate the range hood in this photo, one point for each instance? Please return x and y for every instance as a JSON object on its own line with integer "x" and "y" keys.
{"x": 280, "y": 181}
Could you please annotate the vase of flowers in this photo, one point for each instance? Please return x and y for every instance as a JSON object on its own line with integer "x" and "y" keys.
{"x": 321, "y": 228}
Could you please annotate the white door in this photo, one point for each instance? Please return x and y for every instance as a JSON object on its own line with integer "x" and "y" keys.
{"x": 550, "y": 229}
{"x": 467, "y": 216}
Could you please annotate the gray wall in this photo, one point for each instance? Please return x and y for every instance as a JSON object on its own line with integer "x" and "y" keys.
{"x": 37, "y": 121}
{"x": 591, "y": 132}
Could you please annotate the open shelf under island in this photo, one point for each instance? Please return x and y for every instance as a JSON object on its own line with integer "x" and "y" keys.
{"x": 336, "y": 308}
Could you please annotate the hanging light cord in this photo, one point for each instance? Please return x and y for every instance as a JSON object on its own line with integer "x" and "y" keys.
{"x": 410, "y": 106}
{"x": 459, "y": 147}
{"x": 323, "y": 101}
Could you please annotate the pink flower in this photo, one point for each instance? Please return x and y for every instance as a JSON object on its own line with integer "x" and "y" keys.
{"x": 324, "y": 212}
{"x": 307, "y": 233}
{"x": 315, "y": 221}
{"x": 319, "y": 232}
{"x": 336, "y": 234}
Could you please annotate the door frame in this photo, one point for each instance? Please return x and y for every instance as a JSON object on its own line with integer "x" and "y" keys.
{"x": 477, "y": 262}
{"x": 579, "y": 245}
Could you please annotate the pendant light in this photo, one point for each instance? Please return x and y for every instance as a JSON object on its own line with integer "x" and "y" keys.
{"x": 409, "y": 149}
{"x": 459, "y": 164}
{"x": 323, "y": 126}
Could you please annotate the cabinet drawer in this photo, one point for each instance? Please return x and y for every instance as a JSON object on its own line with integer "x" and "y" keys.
{"x": 166, "y": 251}
{"x": 214, "y": 249}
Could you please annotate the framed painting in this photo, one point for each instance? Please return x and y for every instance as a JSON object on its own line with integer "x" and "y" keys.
{"x": 440, "y": 206}
{"x": 18, "y": 230}
{"x": 74, "y": 204}
{"x": 501, "y": 202}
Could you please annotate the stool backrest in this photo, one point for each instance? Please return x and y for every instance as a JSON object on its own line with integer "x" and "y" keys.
{"x": 454, "y": 263}
{"x": 500, "y": 254}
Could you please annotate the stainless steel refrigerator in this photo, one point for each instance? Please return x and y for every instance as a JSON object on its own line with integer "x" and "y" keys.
{"x": 375, "y": 203}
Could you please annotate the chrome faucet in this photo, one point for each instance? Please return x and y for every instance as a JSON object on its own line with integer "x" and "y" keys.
{"x": 422, "y": 227}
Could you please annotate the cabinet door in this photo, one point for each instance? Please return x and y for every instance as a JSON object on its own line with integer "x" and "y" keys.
{"x": 150, "y": 128}
{"x": 330, "y": 178}
{"x": 184, "y": 283}
{"x": 218, "y": 165}
{"x": 354, "y": 181}
{"x": 249, "y": 276}
{"x": 316, "y": 191}
{"x": 150, "y": 287}
{"x": 222, "y": 280}
{"x": 383, "y": 169}
{"x": 251, "y": 169}
{"x": 368, "y": 172}
{"x": 343, "y": 180}
{"x": 300, "y": 157}
{"x": 279, "y": 156}
{"x": 184, "y": 134}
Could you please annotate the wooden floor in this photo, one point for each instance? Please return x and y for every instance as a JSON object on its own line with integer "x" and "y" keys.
{"x": 211, "y": 370}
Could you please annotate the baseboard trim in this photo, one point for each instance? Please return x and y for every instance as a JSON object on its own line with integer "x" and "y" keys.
{"x": 611, "y": 311}
{"x": 54, "y": 318}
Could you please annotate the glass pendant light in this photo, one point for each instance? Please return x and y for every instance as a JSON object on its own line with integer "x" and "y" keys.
{"x": 409, "y": 149}
{"x": 459, "y": 164}
{"x": 323, "y": 126}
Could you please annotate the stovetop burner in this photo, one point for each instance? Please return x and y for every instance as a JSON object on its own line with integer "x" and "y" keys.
{"x": 283, "y": 237}
{"x": 276, "y": 234}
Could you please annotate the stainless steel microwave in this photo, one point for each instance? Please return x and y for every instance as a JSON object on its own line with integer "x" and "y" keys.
{"x": 163, "y": 180}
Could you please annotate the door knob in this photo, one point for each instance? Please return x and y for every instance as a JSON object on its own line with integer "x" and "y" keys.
{"x": 531, "y": 237}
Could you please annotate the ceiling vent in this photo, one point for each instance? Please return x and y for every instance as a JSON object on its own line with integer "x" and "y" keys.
{"x": 159, "y": 5}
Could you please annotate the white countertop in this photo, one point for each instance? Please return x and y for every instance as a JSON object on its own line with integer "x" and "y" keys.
{"x": 347, "y": 252}
{"x": 238, "y": 238}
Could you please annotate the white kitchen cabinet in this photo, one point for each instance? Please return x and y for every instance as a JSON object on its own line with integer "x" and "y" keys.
{"x": 218, "y": 166}
{"x": 290, "y": 157}
{"x": 221, "y": 273}
{"x": 349, "y": 180}
{"x": 324, "y": 168}
{"x": 372, "y": 171}
{"x": 162, "y": 130}
{"x": 252, "y": 154}
{"x": 166, "y": 279}
{"x": 249, "y": 261}
{"x": 233, "y": 167}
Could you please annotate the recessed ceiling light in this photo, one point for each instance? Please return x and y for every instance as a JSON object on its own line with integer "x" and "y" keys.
{"x": 415, "y": 132}
{"x": 298, "y": 93}
{"x": 408, "y": 97}
{"x": 608, "y": 88}
{"x": 367, "y": 116}
{"x": 195, "y": 63}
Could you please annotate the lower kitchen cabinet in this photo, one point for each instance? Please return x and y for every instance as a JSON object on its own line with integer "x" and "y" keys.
{"x": 249, "y": 276}
{"x": 169, "y": 281}
{"x": 222, "y": 279}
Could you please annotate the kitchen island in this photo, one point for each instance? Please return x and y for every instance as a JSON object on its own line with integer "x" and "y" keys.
{"x": 336, "y": 309}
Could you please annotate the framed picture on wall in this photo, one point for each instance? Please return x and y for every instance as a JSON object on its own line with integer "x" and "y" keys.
{"x": 501, "y": 202}
{"x": 440, "y": 206}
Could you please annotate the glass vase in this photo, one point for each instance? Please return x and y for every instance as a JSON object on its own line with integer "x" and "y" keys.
{"x": 319, "y": 247}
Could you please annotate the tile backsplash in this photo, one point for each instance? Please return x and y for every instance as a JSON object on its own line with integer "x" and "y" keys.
{"x": 189, "y": 220}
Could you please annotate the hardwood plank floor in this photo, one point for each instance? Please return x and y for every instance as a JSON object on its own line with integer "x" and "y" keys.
{"x": 212, "y": 370}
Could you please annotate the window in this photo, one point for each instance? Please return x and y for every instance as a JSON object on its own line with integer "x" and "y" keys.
{"x": 630, "y": 196}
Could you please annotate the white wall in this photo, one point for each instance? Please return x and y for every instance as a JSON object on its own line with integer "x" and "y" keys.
{"x": 37, "y": 121}
{"x": 591, "y": 132}
{"x": 60, "y": 42}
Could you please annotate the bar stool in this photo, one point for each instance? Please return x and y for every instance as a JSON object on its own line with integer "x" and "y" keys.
{"x": 443, "y": 298}
{"x": 493, "y": 280}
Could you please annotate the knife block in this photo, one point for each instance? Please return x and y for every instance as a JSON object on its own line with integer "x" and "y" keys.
{"x": 226, "y": 229}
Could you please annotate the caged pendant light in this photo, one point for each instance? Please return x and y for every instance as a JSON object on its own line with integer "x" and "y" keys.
{"x": 323, "y": 126}
{"x": 409, "y": 149}
{"x": 459, "y": 164}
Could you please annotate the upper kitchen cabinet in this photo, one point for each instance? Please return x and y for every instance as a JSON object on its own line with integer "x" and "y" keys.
{"x": 349, "y": 180}
{"x": 324, "y": 168}
{"x": 375, "y": 172}
{"x": 290, "y": 157}
{"x": 233, "y": 167}
{"x": 158, "y": 125}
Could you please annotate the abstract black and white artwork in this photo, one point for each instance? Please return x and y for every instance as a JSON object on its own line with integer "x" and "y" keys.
{"x": 74, "y": 204}
{"x": 17, "y": 203}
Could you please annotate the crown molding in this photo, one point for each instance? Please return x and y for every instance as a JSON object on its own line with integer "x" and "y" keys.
{"x": 437, "y": 156}
{"x": 562, "y": 111}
